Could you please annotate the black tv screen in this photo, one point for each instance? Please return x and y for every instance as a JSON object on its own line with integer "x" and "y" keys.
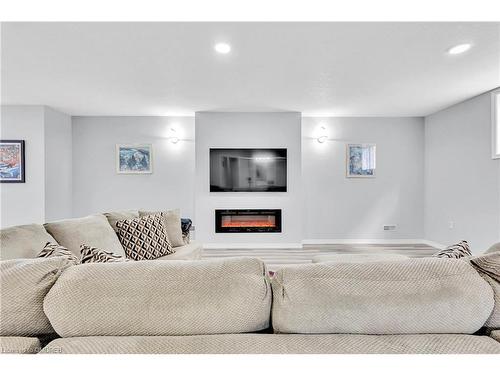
{"x": 248, "y": 169}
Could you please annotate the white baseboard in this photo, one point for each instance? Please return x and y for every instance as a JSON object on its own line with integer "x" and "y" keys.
{"x": 334, "y": 241}
{"x": 252, "y": 245}
{"x": 354, "y": 241}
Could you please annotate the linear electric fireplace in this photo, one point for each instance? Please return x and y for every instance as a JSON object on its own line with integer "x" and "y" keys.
{"x": 247, "y": 221}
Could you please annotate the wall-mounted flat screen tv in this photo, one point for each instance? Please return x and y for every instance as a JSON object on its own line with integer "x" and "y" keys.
{"x": 248, "y": 169}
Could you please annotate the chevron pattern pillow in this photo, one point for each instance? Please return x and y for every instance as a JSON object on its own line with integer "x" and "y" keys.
{"x": 145, "y": 237}
{"x": 55, "y": 250}
{"x": 459, "y": 250}
{"x": 94, "y": 255}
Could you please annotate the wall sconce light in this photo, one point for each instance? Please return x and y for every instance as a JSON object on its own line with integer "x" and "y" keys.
{"x": 323, "y": 137}
{"x": 174, "y": 139}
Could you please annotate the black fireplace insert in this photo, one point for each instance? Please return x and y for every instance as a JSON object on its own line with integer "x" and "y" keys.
{"x": 248, "y": 221}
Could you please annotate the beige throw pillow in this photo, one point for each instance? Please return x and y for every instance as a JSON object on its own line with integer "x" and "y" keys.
{"x": 172, "y": 224}
{"x": 90, "y": 230}
{"x": 23, "y": 241}
{"x": 115, "y": 216}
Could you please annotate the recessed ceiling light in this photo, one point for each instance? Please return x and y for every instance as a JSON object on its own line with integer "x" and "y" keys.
{"x": 460, "y": 48}
{"x": 222, "y": 48}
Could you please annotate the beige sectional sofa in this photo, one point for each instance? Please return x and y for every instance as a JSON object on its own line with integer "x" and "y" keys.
{"x": 231, "y": 305}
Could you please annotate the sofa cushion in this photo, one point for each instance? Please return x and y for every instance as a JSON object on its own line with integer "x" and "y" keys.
{"x": 19, "y": 345}
{"x": 90, "y": 230}
{"x": 357, "y": 258}
{"x": 488, "y": 266}
{"x": 160, "y": 298}
{"x": 145, "y": 237}
{"x": 23, "y": 241}
{"x": 191, "y": 251}
{"x": 415, "y": 296}
{"x": 24, "y": 284}
{"x": 114, "y": 217}
{"x": 493, "y": 321}
{"x": 172, "y": 224}
{"x": 278, "y": 344}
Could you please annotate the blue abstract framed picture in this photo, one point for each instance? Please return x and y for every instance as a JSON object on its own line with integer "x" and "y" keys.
{"x": 12, "y": 165}
{"x": 134, "y": 159}
{"x": 361, "y": 160}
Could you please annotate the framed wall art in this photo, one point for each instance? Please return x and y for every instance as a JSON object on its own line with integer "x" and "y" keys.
{"x": 360, "y": 160}
{"x": 134, "y": 159}
{"x": 12, "y": 163}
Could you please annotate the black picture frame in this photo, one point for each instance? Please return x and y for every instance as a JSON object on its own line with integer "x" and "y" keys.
{"x": 22, "y": 171}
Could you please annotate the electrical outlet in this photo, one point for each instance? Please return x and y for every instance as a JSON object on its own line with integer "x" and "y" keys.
{"x": 389, "y": 227}
{"x": 451, "y": 225}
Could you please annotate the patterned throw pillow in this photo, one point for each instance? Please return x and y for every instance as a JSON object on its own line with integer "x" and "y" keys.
{"x": 145, "y": 237}
{"x": 54, "y": 250}
{"x": 459, "y": 250}
{"x": 172, "y": 221}
{"x": 94, "y": 255}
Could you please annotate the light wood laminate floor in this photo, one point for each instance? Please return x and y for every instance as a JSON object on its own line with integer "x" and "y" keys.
{"x": 275, "y": 258}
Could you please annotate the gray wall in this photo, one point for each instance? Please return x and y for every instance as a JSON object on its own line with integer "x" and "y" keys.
{"x": 58, "y": 165}
{"x": 462, "y": 181}
{"x": 71, "y": 172}
{"x": 337, "y": 207}
{"x": 259, "y": 130}
{"x": 46, "y": 195}
{"x": 98, "y": 188}
{"x": 25, "y": 203}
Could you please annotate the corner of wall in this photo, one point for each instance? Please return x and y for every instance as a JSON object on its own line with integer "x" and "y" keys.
{"x": 58, "y": 164}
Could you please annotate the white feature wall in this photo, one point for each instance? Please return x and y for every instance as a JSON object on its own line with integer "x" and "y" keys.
{"x": 248, "y": 130}
{"x": 98, "y": 188}
{"x": 462, "y": 181}
{"x": 337, "y": 207}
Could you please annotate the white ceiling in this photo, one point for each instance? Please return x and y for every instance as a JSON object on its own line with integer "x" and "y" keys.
{"x": 342, "y": 69}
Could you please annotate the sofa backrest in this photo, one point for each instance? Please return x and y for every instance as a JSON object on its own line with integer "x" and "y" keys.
{"x": 93, "y": 230}
{"x": 24, "y": 284}
{"x": 416, "y": 296}
{"x": 23, "y": 241}
{"x": 148, "y": 298}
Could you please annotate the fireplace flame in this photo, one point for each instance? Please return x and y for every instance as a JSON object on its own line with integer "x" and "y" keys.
{"x": 248, "y": 221}
{"x": 252, "y": 224}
